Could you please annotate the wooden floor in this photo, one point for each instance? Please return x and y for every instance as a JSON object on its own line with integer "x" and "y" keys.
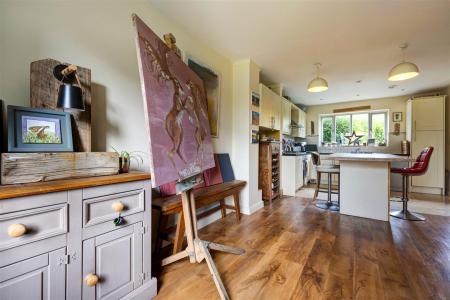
{"x": 296, "y": 251}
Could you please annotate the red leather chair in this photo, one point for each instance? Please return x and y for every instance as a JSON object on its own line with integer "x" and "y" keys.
{"x": 419, "y": 167}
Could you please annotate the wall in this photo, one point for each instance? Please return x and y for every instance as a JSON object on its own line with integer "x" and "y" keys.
{"x": 99, "y": 35}
{"x": 246, "y": 80}
{"x": 394, "y": 104}
{"x": 447, "y": 129}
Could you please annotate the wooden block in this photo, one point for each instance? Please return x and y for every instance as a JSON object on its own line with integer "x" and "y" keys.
{"x": 44, "y": 89}
{"x": 39, "y": 167}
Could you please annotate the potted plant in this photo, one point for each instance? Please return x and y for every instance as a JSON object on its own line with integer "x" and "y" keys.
{"x": 125, "y": 158}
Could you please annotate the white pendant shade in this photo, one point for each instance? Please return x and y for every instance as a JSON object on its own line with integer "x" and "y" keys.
{"x": 403, "y": 71}
{"x": 318, "y": 84}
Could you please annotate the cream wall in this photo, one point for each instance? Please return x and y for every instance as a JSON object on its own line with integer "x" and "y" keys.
{"x": 393, "y": 104}
{"x": 99, "y": 35}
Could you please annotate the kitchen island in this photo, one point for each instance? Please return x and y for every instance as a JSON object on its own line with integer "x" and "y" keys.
{"x": 365, "y": 183}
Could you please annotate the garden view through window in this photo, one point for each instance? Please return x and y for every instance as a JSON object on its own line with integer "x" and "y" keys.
{"x": 371, "y": 125}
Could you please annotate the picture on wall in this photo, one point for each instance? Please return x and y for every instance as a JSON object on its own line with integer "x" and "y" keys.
{"x": 397, "y": 116}
{"x": 255, "y": 118}
{"x": 211, "y": 82}
{"x": 255, "y": 136}
{"x": 175, "y": 111}
{"x": 38, "y": 130}
{"x": 255, "y": 99}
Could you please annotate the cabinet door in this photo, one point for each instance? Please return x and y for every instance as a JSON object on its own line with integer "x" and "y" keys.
{"x": 428, "y": 114}
{"x": 40, "y": 277}
{"x": 265, "y": 118}
{"x": 286, "y": 113}
{"x": 116, "y": 259}
{"x": 276, "y": 111}
{"x": 434, "y": 177}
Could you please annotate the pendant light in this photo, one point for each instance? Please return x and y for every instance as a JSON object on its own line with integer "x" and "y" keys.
{"x": 404, "y": 70}
{"x": 318, "y": 84}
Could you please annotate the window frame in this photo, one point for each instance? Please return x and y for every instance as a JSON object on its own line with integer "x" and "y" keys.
{"x": 369, "y": 113}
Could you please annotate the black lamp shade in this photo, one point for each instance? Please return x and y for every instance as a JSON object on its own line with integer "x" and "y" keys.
{"x": 70, "y": 97}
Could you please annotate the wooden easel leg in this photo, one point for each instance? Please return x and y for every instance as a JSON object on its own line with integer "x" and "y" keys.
{"x": 197, "y": 250}
{"x": 225, "y": 248}
{"x": 188, "y": 220}
{"x": 215, "y": 274}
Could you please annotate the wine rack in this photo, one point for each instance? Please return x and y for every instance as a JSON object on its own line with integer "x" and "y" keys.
{"x": 269, "y": 170}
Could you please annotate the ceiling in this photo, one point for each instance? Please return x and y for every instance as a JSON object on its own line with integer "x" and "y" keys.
{"x": 354, "y": 40}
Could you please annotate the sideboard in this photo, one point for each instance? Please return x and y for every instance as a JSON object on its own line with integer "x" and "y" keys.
{"x": 58, "y": 240}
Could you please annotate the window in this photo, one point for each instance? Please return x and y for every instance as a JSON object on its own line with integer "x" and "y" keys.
{"x": 371, "y": 125}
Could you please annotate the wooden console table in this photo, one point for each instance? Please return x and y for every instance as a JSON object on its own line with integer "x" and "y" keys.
{"x": 58, "y": 239}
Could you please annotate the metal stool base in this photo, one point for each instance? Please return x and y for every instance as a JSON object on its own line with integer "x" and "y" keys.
{"x": 407, "y": 216}
{"x": 327, "y": 205}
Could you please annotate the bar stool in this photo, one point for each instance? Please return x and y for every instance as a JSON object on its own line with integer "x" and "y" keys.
{"x": 419, "y": 167}
{"x": 330, "y": 170}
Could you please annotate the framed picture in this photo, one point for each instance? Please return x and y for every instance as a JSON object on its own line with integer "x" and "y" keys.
{"x": 211, "y": 82}
{"x": 255, "y": 136}
{"x": 38, "y": 130}
{"x": 255, "y": 99}
{"x": 397, "y": 116}
{"x": 255, "y": 118}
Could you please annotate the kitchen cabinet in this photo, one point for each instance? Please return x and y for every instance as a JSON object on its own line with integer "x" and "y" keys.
{"x": 59, "y": 242}
{"x": 291, "y": 174}
{"x": 425, "y": 123}
{"x": 270, "y": 108}
{"x": 286, "y": 113}
{"x": 105, "y": 254}
{"x": 39, "y": 277}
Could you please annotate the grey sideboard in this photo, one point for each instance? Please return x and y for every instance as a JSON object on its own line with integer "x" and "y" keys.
{"x": 58, "y": 239}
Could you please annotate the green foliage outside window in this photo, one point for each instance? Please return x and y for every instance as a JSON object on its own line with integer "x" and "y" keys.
{"x": 327, "y": 128}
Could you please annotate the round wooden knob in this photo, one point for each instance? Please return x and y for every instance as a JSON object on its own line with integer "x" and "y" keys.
{"x": 117, "y": 206}
{"x": 16, "y": 230}
{"x": 91, "y": 279}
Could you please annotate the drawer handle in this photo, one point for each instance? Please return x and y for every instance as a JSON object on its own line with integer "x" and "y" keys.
{"x": 118, "y": 206}
{"x": 16, "y": 230}
{"x": 91, "y": 279}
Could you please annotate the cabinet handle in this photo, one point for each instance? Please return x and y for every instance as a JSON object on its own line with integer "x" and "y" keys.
{"x": 91, "y": 279}
{"x": 118, "y": 206}
{"x": 16, "y": 230}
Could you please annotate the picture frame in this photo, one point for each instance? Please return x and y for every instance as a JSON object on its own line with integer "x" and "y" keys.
{"x": 397, "y": 116}
{"x": 255, "y": 99}
{"x": 38, "y": 130}
{"x": 255, "y": 118}
{"x": 255, "y": 136}
{"x": 212, "y": 81}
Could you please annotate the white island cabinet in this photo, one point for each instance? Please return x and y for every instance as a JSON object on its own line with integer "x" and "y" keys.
{"x": 365, "y": 183}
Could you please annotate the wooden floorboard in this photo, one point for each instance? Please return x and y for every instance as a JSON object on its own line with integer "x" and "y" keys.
{"x": 297, "y": 251}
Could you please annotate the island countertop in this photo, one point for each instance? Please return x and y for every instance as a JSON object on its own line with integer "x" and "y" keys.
{"x": 381, "y": 157}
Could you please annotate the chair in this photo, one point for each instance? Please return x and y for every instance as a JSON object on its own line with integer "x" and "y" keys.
{"x": 419, "y": 167}
{"x": 330, "y": 170}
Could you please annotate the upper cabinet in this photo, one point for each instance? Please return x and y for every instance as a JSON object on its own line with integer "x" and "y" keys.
{"x": 428, "y": 113}
{"x": 286, "y": 114}
{"x": 270, "y": 108}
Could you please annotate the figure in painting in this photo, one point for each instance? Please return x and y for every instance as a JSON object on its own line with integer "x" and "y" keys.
{"x": 159, "y": 67}
{"x": 196, "y": 108}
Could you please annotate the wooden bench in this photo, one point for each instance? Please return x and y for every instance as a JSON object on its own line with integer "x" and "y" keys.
{"x": 203, "y": 197}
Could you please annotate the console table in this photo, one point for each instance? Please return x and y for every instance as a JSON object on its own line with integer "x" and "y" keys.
{"x": 58, "y": 239}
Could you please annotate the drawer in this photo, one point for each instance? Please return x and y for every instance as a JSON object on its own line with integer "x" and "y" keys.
{"x": 100, "y": 209}
{"x": 32, "y": 225}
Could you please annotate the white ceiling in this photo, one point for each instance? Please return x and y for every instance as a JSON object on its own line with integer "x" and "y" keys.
{"x": 354, "y": 40}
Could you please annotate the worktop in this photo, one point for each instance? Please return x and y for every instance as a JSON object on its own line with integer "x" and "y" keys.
{"x": 30, "y": 189}
{"x": 381, "y": 157}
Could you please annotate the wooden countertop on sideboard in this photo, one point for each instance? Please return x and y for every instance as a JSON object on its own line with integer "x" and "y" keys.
{"x": 29, "y": 189}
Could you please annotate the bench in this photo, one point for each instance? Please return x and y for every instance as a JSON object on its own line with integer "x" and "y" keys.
{"x": 204, "y": 196}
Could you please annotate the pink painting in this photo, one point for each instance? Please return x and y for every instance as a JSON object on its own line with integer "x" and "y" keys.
{"x": 175, "y": 111}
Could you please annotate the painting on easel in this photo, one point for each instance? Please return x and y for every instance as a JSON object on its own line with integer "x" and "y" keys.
{"x": 175, "y": 110}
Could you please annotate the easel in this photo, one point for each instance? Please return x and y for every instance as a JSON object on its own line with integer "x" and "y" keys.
{"x": 197, "y": 249}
